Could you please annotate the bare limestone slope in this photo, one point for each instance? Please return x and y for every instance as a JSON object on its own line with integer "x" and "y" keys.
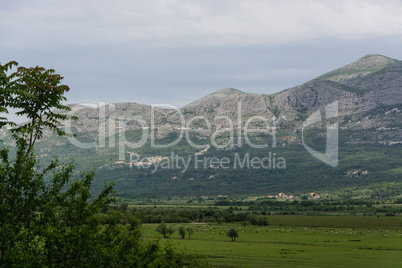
{"x": 365, "y": 86}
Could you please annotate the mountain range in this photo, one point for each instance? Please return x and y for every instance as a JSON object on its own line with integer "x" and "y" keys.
{"x": 368, "y": 97}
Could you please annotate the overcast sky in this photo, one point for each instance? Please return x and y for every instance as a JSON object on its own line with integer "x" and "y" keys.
{"x": 176, "y": 51}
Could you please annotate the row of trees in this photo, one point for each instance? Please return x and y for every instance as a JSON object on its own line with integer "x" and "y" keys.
{"x": 267, "y": 207}
{"x": 48, "y": 217}
{"x": 167, "y": 231}
{"x": 187, "y": 215}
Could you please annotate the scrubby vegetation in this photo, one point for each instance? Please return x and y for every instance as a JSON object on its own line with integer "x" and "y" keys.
{"x": 48, "y": 217}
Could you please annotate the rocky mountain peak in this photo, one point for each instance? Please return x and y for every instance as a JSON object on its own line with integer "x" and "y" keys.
{"x": 226, "y": 92}
{"x": 358, "y": 69}
{"x": 215, "y": 98}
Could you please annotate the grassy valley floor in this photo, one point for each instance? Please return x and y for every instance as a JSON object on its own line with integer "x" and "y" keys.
{"x": 285, "y": 246}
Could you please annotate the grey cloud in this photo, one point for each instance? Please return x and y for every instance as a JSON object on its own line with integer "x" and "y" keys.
{"x": 177, "y": 51}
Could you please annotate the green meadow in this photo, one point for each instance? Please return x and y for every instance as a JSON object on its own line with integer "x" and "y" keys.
{"x": 306, "y": 241}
